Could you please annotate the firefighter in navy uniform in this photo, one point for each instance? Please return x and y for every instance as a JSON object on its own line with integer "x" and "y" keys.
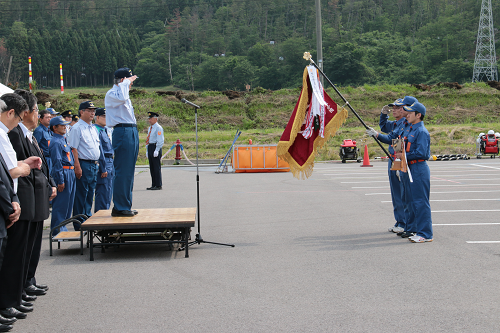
{"x": 154, "y": 143}
{"x": 104, "y": 187}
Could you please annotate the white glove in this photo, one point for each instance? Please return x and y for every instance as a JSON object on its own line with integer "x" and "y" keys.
{"x": 146, "y": 146}
{"x": 371, "y": 132}
{"x": 386, "y": 109}
{"x": 155, "y": 154}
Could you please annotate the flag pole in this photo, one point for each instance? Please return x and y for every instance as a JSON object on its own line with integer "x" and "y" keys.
{"x": 307, "y": 56}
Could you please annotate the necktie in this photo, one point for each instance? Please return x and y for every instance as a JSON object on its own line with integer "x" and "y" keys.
{"x": 149, "y": 134}
{"x": 36, "y": 145}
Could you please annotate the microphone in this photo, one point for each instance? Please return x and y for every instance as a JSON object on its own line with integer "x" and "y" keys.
{"x": 190, "y": 103}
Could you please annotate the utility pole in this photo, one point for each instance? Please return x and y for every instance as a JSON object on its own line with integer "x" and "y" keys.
{"x": 485, "y": 62}
{"x": 8, "y": 72}
{"x": 319, "y": 37}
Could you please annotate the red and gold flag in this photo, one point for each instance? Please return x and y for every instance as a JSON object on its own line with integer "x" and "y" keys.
{"x": 298, "y": 151}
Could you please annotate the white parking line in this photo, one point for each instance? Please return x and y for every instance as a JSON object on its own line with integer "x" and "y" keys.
{"x": 464, "y": 224}
{"x": 452, "y": 200}
{"x": 388, "y": 193}
{"x": 454, "y": 185}
{"x": 483, "y": 242}
{"x": 465, "y": 210}
{"x": 485, "y": 166}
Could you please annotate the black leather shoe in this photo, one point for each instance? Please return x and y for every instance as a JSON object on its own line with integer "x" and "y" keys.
{"x": 7, "y": 321}
{"x": 5, "y": 328}
{"x": 135, "y": 212}
{"x": 32, "y": 290}
{"x": 121, "y": 213}
{"x": 26, "y": 303}
{"x": 29, "y": 298}
{"x": 42, "y": 286}
{"x": 407, "y": 234}
{"x": 156, "y": 188}
{"x": 11, "y": 313}
{"x": 24, "y": 309}
{"x": 150, "y": 188}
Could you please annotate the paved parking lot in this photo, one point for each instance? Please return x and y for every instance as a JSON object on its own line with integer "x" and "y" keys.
{"x": 311, "y": 256}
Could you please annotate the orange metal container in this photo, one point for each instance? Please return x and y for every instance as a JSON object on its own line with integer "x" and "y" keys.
{"x": 252, "y": 158}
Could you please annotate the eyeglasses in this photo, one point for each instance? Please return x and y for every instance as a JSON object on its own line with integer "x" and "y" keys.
{"x": 20, "y": 119}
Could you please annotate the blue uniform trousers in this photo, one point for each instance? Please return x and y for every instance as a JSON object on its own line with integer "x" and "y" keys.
{"x": 420, "y": 206}
{"x": 406, "y": 194}
{"x": 126, "y": 147}
{"x": 49, "y": 163}
{"x": 62, "y": 204}
{"x": 85, "y": 188}
{"x": 397, "y": 200}
{"x": 104, "y": 189}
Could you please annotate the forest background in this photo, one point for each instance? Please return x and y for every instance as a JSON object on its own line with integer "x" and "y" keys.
{"x": 226, "y": 44}
{"x": 374, "y": 50}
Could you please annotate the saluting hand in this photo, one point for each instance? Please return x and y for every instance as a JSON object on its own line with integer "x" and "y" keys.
{"x": 60, "y": 187}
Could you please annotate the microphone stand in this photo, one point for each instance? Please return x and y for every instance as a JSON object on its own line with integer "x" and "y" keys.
{"x": 198, "y": 239}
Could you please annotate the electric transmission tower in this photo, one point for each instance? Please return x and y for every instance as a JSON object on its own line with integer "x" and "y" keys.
{"x": 485, "y": 63}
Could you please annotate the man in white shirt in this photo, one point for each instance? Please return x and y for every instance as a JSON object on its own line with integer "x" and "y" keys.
{"x": 125, "y": 139}
{"x": 154, "y": 143}
{"x": 84, "y": 142}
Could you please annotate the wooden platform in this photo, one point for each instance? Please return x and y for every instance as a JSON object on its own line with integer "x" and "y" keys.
{"x": 146, "y": 220}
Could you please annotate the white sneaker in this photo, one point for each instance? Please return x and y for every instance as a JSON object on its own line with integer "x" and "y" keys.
{"x": 418, "y": 239}
{"x": 396, "y": 229}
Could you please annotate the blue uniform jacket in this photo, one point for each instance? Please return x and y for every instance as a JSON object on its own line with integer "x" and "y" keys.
{"x": 418, "y": 143}
{"x": 390, "y": 126}
{"x": 105, "y": 164}
{"x": 43, "y": 135}
{"x": 61, "y": 155}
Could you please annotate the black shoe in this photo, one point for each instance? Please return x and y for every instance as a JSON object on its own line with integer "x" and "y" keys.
{"x": 407, "y": 234}
{"x": 135, "y": 212}
{"x": 23, "y": 308}
{"x": 11, "y": 313}
{"x": 156, "y": 188}
{"x": 150, "y": 188}
{"x": 26, "y": 303}
{"x": 5, "y": 328}
{"x": 42, "y": 286}
{"x": 121, "y": 213}
{"x": 32, "y": 290}
{"x": 400, "y": 233}
{"x": 29, "y": 298}
{"x": 7, "y": 321}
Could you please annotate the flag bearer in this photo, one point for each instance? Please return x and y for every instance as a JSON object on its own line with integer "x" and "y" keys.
{"x": 418, "y": 151}
{"x": 396, "y": 127}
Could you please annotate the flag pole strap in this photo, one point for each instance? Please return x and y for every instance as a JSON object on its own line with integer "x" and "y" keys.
{"x": 307, "y": 56}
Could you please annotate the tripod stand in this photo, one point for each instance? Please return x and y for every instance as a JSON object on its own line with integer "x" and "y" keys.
{"x": 198, "y": 239}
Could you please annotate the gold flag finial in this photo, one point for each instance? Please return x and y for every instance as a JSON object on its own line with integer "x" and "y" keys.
{"x": 47, "y": 105}
{"x": 307, "y": 56}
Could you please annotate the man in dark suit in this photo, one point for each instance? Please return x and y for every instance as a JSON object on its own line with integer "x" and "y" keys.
{"x": 12, "y": 271}
{"x": 9, "y": 213}
{"x": 44, "y": 188}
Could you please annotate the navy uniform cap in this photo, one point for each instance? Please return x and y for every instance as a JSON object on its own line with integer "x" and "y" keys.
{"x": 75, "y": 118}
{"x": 100, "y": 112}
{"x": 66, "y": 113}
{"x": 415, "y": 107}
{"x": 153, "y": 114}
{"x": 86, "y": 105}
{"x": 52, "y": 111}
{"x": 58, "y": 121}
{"x": 123, "y": 73}
{"x": 397, "y": 102}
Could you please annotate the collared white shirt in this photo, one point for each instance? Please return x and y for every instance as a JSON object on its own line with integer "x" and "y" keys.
{"x": 119, "y": 109}
{"x": 7, "y": 151}
{"x": 156, "y": 136}
{"x": 85, "y": 139}
{"x": 27, "y": 133}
